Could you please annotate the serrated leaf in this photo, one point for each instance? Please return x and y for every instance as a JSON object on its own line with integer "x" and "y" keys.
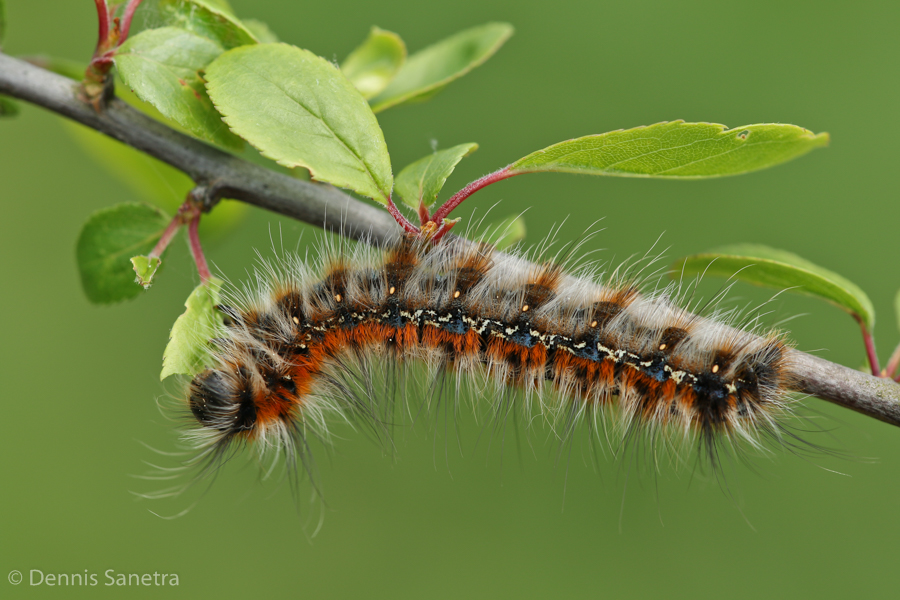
{"x": 505, "y": 233}
{"x": 372, "y": 65}
{"x": 163, "y": 68}
{"x": 431, "y": 69}
{"x": 211, "y": 19}
{"x": 188, "y": 347}
{"x": 8, "y": 107}
{"x": 781, "y": 270}
{"x": 421, "y": 181}
{"x": 676, "y": 150}
{"x": 108, "y": 239}
{"x": 260, "y": 31}
{"x": 145, "y": 268}
{"x": 299, "y": 110}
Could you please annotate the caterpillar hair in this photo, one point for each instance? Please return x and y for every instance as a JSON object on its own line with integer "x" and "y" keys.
{"x": 307, "y": 344}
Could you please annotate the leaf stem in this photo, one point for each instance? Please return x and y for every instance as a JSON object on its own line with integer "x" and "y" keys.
{"x": 103, "y": 23}
{"x": 891, "y": 369}
{"x": 424, "y": 217}
{"x": 401, "y": 220}
{"x": 870, "y": 346}
{"x": 127, "y": 16}
{"x": 163, "y": 243}
{"x": 197, "y": 250}
{"x": 470, "y": 189}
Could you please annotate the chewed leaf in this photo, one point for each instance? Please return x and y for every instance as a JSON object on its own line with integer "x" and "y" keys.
{"x": 431, "y": 69}
{"x": 373, "y": 64}
{"x": 8, "y": 107}
{"x": 145, "y": 268}
{"x": 212, "y": 19}
{"x": 163, "y": 67}
{"x": 505, "y": 233}
{"x": 299, "y": 110}
{"x": 108, "y": 240}
{"x": 778, "y": 269}
{"x": 188, "y": 349}
{"x": 676, "y": 150}
{"x": 420, "y": 182}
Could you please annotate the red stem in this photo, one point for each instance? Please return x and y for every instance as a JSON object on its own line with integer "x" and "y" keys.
{"x": 891, "y": 369}
{"x": 870, "y": 347}
{"x": 398, "y": 216}
{"x": 424, "y": 217}
{"x": 470, "y": 189}
{"x": 174, "y": 225}
{"x": 197, "y": 250}
{"x": 127, "y": 16}
{"x": 103, "y": 20}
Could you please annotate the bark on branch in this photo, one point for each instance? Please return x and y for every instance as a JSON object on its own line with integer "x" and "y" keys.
{"x": 223, "y": 175}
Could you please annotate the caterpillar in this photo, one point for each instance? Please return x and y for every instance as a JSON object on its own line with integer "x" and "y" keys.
{"x": 307, "y": 342}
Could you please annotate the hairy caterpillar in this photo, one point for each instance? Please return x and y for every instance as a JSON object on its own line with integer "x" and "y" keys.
{"x": 308, "y": 344}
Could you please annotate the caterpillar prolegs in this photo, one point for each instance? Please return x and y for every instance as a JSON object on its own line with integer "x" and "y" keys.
{"x": 568, "y": 344}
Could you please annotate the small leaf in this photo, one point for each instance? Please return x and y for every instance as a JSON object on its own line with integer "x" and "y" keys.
{"x": 373, "y": 64}
{"x": 420, "y": 182}
{"x": 505, "y": 233}
{"x": 212, "y": 19}
{"x": 781, "y": 270}
{"x": 188, "y": 347}
{"x": 108, "y": 240}
{"x": 8, "y": 107}
{"x": 145, "y": 268}
{"x": 431, "y": 69}
{"x": 299, "y": 110}
{"x": 163, "y": 67}
{"x": 675, "y": 149}
{"x": 260, "y": 31}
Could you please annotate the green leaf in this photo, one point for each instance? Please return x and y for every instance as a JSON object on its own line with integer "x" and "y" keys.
{"x": 221, "y": 6}
{"x": 108, "y": 240}
{"x": 188, "y": 347}
{"x": 145, "y": 268}
{"x": 373, "y": 64}
{"x": 772, "y": 268}
{"x": 260, "y": 31}
{"x": 505, "y": 233}
{"x": 299, "y": 110}
{"x": 8, "y": 107}
{"x": 431, "y": 69}
{"x": 675, "y": 149}
{"x": 212, "y": 19}
{"x": 420, "y": 182}
{"x": 163, "y": 67}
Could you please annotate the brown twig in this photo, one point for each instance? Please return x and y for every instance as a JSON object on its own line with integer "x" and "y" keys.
{"x": 226, "y": 176}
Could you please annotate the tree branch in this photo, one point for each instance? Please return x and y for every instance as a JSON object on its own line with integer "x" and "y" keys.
{"x": 223, "y": 175}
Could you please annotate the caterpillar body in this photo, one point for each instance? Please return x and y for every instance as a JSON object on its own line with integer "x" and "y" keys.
{"x": 569, "y": 345}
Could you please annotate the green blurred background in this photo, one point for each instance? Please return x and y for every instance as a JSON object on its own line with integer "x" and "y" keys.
{"x": 80, "y": 382}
